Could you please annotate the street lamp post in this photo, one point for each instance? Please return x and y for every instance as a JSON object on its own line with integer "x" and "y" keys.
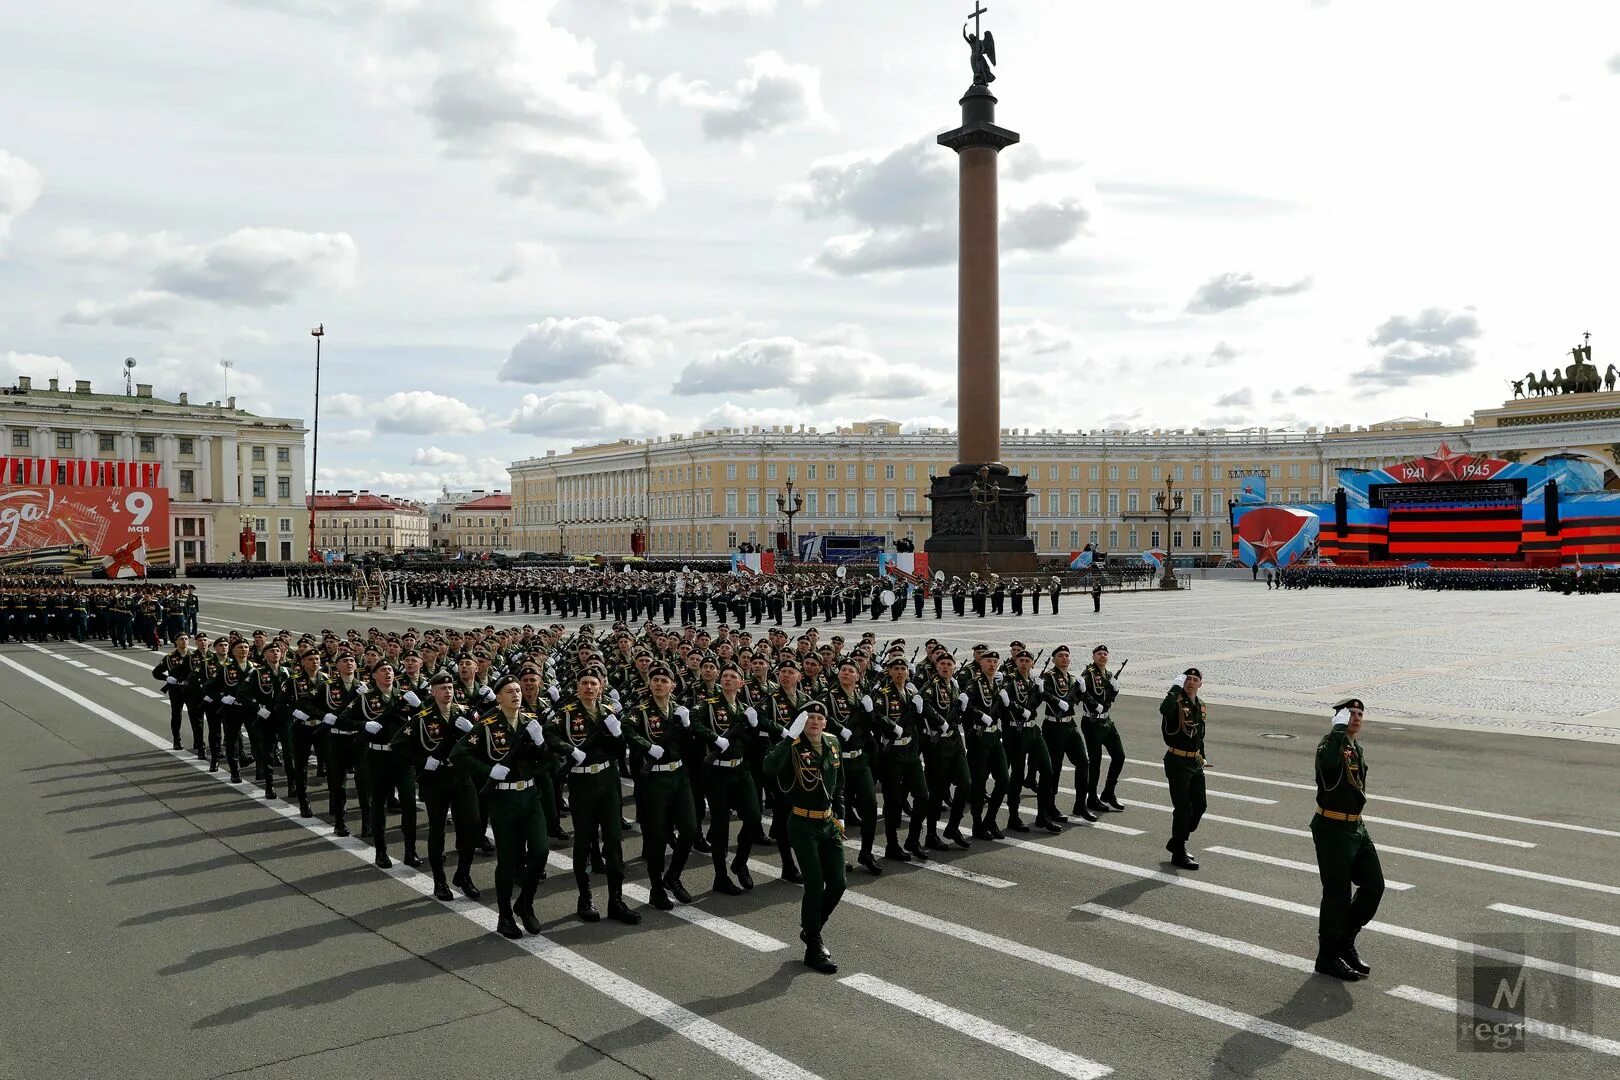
{"x": 789, "y": 508}
{"x": 315, "y": 452}
{"x": 1168, "y": 503}
{"x": 986, "y": 494}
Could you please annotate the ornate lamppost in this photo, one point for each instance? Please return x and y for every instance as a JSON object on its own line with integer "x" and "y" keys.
{"x": 1168, "y": 503}
{"x": 789, "y": 508}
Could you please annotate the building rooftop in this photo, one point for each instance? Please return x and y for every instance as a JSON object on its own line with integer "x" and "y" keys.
{"x": 25, "y": 391}
{"x": 488, "y": 502}
{"x": 361, "y": 500}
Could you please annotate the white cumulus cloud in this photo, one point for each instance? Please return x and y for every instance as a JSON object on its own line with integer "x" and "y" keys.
{"x": 815, "y": 374}
{"x": 424, "y": 412}
{"x": 775, "y": 95}
{"x": 20, "y": 187}
{"x": 586, "y": 414}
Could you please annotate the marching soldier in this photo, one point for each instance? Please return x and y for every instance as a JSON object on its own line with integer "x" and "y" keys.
{"x": 661, "y": 729}
{"x": 427, "y": 740}
{"x": 898, "y": 720}
{"x": 731, "y": 724}
{"x": 380, "y": 712}
{"x": 1022, "y": 697}
{"x": 594, "y": 735}
{"x": 308, "y": 693}
{"x": 175, "y": 670}
{"x": 233, "y": 697}
{"x": 987, "y": 750}
{"x": 1098, "y": 690}
{"x": 1352, "y": 879}
{"x": 850, "y": 708}
{"x": 1182, "y": 720}
{"x": 945, "y": 758}
{"x": 806, "y": 762}
{"x": 343, "y": 753}
{"x": 1063, "y": 739}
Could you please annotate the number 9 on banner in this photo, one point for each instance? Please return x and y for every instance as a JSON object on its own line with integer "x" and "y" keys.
{"x": 139, "y": 505}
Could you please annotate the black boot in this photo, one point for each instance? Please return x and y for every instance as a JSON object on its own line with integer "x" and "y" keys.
{"x": 1330, "y": 962}
{"x": 725, "y": 886}
{"x": 870, "y": 863}
{"x": 304, "y": 808}
{"x": 677, "y": 890}
{"x": 1016, "y": 823}
{"x": 739, "y": 870}
{"x": 1111, "y": 801}
{"x": 1179, "y": 856}
{"x": 382, "y": 861}
{"x": 507, "y": 926}
{"x": 339, "y": 828}
{"x": 658, "y": 898}
{"x": 915, "y": 849}
{"x": 587, "y": 908}
{"x": 618, "y": 909}
{"x": 1351, "y": 958}
{"x": 1081, "y": 812}
{"x": 463, "y": 881}
{"x": 897, "y": 853}
{"x": 412, "y": 859}
{"x": 441, "y": 887}
{"x": 817, "y": 958}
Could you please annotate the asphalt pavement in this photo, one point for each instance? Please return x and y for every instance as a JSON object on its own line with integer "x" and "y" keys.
{"x": 164, "y": 923}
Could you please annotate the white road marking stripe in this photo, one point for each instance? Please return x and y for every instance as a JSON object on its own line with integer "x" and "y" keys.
{"x": 1214, "y": 941}
{"x": 987, "y": 880}
{"x": 115, "y": 680}
{"x": 1059, "y": 1061}
{"x": 1212, "y": 794}
{"x": 1534, "y": 1027}
{"x": 1102, "y": 824}
{"x": 148, "y": 693}
{"x": 1340, "y": 1053}
{"x": 113, "y": 656}
{"x": 1423, "y": 937}
{"x": 1504, "y": 841}
{"x": 748, "y": 1056}
{"x": 78, "y": 663}
{"x": 1561, "y": 920}
{"x": 1289, "y": 864}
{"x": 709, "y": 921}
{"x": 1420, "y": 804}
{"x": 95, "y": 671}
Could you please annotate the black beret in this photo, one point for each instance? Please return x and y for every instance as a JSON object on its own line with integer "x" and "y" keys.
{"x": 504, "y": 681}
{"x": 1064, "y": 649}
{"x": 1350, "y": 703}
{"x": 443, "y": 678}
{"x": 897, "y": 662}
{"x": 1194, "y": 673}
{"x": 1099, "y": 648}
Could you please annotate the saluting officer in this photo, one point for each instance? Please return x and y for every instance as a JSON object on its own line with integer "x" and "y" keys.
{"x": 806, "y": 762}
{"x": 1182, "y": 721}
{"x": 1352, "y": 879}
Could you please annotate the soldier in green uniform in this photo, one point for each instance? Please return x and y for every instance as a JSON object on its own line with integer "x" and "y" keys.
{"x": 727, "y": 720}
{"x": 267, "y": 727}
{"x": 594, "y": 735}
{"x": 380, "y": 711}
{"x": 898, "y": 719}
{"x": 987, "y": 750}
{"x": 1352, "y": 879}
{"x": 1098, "y": 689}
{"x": 343, "y": 751}
{"x": 426, "y": 740}
{"x": 851, "y": 709}
{"x": 1031, "y": 764}
{"x": 661, "y": 730}
{"x": 945, "y": 759}
{"x": 805, "y": 763}
{"x": 1062, "y": 735}
{"x": 307, "y": 692}
{"x": 508, "y": 752}
{"x": 1182, "y": 721}
{"x": 174, "y": 670}
{"x": 236, "y": 702}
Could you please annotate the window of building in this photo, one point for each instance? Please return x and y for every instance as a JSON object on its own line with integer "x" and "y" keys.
{"x": 911, "y": 471}
{"x": 731, "y": 505}
{"x": 1198, "y": 502}
{"x": 1315, "y": 495}
{"x": 770, "y": 472}
{"x": 1113, "y": 503}
{"x": 1158, "y": 473}
{"x": 911, "y": 500}
{"x": 148, "y": 444}
{"x": 731, "y": 471}
{"x": 871, "y": 503}
{"x": 258, "y": 453}
{"x": 753, "y": 472}
{"x": 188, "y": 447}
{"x": 810, "y": 471}
{"x": 1093, "y": 500}
{"x": 871, "y": 471}
{"x": 188, "y": 482}
{"x": 1131, "y": 472}
{"x": 64, "y": 440}
{"x": 1132, "y": 539}
{"x": 888, "y": 472}
{"x": 283, "y": 487}
{"x": 107, "y": 443}
{"x": 1198, "y": 472}
{"x": 1130, "y": 502}
{"x": 1175, "y": 538}
{"x": 1293, "y": 494}
{"x": 258, "y": 487}
{"x": 1180, "y": 472}
{"x": 1113, "y": 538}
{"x": 1052, "y": 505}
{"x": 810, "y": 503}
{"x": 1074, "y": 504}
{"x": 1316, "y": 469}
{"x": 260, "y": 526}
{"x": 1074, "y": 539}
{"x": 849, "y": 471}
{"x": 285, "y": 525}
{"x": 283, "y": 455}
{"x": 831, "y": 509}
{"x": 1113, "y": 472}
{"x": 19, "y": 438}
{"x": 1293, "y": 470}
{"x": 1153, "y": 538}
{"x": 1053, "y": 537}
{"x": 753, "y": 503}
{"x": 1198, "y": 538}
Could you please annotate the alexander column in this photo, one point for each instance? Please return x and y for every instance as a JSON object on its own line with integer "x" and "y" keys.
{"x": 980, "y": 520}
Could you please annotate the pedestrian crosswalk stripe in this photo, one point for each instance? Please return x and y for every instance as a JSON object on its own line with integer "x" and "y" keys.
{"x": 1212, "y": 794}
{"x": 986, "y": 1031}
{"x": 1561, "y": 920}
{"x": 1290, "y": 864}
{"x": 1214, "y": 941}
{"x": 1546, "y": 1030}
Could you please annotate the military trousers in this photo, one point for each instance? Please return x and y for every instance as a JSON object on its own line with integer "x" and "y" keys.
{"x": 668, "y": 818}
{"x": 1063, "y": 741}
{"x": 305, "y": 740}
{"x": 1030, "y": 766}
{"x": 821, "y": 860}
{"x": 732, "y": 790}
{"x": 987, "y": 760}
{"x": 1186, "y": 777}
{"x": 860, "y": 790}
{"x": 518, "y": 819}
{"x": 1352, "y": 877}
{"x": 389, "y": 771}
{"x": 1101, "y": 735}
{"x": 903, "y": 777}
{"x": 595, "y": 801}
{"x": 343, "y": 756}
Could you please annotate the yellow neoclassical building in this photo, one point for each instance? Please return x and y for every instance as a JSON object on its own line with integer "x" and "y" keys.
{"x": 709, "y": 491}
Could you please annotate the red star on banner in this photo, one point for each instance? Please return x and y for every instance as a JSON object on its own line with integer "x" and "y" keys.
{"x": 1446, "y": 463}
{"x": 1266, "y": 549}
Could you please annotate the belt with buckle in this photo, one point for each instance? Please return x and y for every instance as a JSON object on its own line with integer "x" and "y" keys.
{"x": 590, "y": 770}
{"x": 1099, "y": 716}
{"x": 668, "y": 766}
{"x": 900, "y": 742}
{"x": 1184, "y": 753}
{"x": 851, "y": 755}
{"x": 814, "y": 815}
{"x": 727, "y": 763}
{"x": 1334, "y": 815}
{"x": 516, "y": 785}
{"x": 379, "y": 746}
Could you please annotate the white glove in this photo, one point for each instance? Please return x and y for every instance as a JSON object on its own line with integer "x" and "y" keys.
{"x": 487, "y": 694}
{"x": 227, "y": 700}
{"x": 613, "y": 726}
{"x": 1028, "y": 714}
{"x": 898, "y": 730}
{"x": 866, "y": 702}
{"x": 463, "y": 724}
{"x": 578, "y": 755}
{"x": 553, "y": 693}
{"x": 431, "y": 764}
{"x": 329, "y": 719}
{"x": 613, "y": 692}
{"x": 722, "y": 744}
{"x": 372, "y": 727}
{"x": 962, "y": 700}
{"x": 988, "y": 720}
{"x": 300, "y": 714}
{"x": 1064, "y": 706}
{"x": 752, "y": 716}
{"x": 796, "y": 728}
{"x": 171, "y": 680}
{"x": 911, "y": 688}
{"x": 655, "y": 752}
{"x": 499, "y": 773}
{"x": 1005, "y": 700}
{"x": 412, "y": 700}
{"x": 845, "y": 734}
{"x": 264, "y": 713}
{"x": 208, "y": 699}
{"x": 998, "y": 676}
{"x": 533, "y": 728}
{"x": 363, "y": 689}
{"x": 684, "y": 715}
{"x": 917, "y": 702}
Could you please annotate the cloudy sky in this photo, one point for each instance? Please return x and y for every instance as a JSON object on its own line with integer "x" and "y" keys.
{"x": 528, "y": 224}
